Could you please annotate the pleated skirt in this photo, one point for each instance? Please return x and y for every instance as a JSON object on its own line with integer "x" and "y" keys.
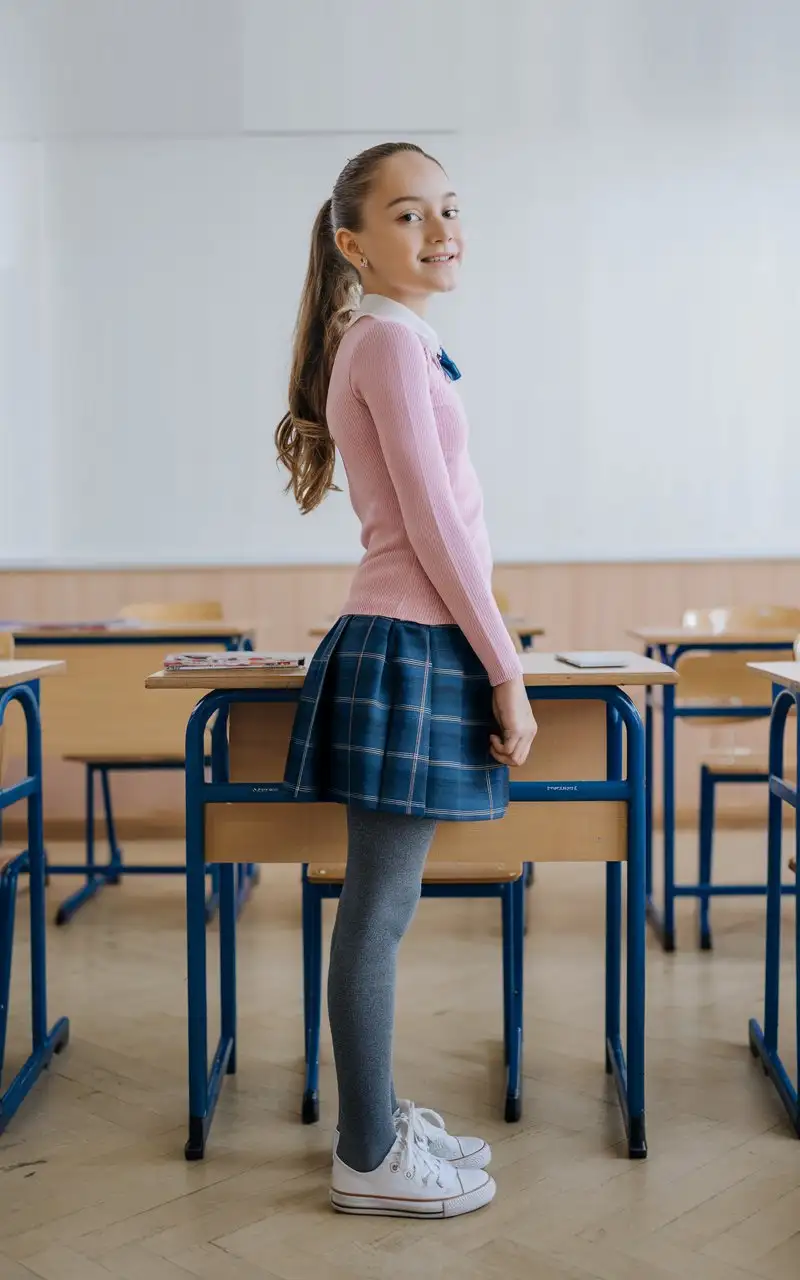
{"x": 396, "y": 716}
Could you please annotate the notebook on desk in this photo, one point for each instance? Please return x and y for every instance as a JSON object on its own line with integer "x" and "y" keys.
{"x": 614, "y": 661}
{"x": 238, "y": 658}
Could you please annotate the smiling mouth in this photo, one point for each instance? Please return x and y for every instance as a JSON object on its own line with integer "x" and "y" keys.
{"x": 441, "y": 259}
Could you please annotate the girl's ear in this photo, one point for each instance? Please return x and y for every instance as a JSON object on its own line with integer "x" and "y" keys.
{"x": 347, "y": 245}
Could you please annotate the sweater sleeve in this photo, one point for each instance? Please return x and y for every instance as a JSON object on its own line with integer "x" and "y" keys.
{"x": 389, "y": 372}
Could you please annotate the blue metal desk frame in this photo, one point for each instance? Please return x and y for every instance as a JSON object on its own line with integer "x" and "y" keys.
{"x": 205, "y": 1085}
{"x": 764, "y": 1044}
{"x": 45, "y": 1043}
{"x": 663, "y": 922}
{"x": 98, "y": 875}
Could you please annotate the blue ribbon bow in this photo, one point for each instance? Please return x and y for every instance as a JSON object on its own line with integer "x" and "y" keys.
{"x": 449, "y": 367}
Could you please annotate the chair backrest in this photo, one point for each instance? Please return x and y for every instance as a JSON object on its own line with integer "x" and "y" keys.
{"x": 725, "y": 679}
{"x": 6, "y": 655}
{"x": 745, "y": 617}
{"x": 174, "y": 611}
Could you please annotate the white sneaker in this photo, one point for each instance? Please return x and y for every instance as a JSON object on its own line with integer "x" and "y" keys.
{"x": 430, "y": 1130}
{"x": 410, "y": 1183}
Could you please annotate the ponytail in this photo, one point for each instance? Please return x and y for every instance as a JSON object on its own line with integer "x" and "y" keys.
{"x": 304, "y": 443}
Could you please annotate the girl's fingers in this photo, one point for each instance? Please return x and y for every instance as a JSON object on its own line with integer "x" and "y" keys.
{"x": 511, "y": 750}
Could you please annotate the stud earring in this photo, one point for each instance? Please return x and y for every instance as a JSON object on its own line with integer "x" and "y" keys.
{"x": 364, "y": 262}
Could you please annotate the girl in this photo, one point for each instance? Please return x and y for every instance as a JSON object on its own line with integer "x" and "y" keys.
{"x": 402, "y": 702}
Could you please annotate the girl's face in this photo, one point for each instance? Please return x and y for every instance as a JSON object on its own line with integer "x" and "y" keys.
{"x": 411, "y": 235}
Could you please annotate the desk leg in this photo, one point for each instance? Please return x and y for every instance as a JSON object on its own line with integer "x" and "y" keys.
{"x": 772, "y": 968}
{"x": 199, "y": 1108}
{"x": 764, "y": 1044}
{"x": 513, "y": 909}
{"x": 649, "y": 779}
{"x": 44, "y": 1043}
{"x": 227, "y": 959}
{"x": 664, "y": 926}
{"x": 613, "y": 902}
{"x": 204, "y": 1087}
{"x": 628, "y": 1075}
{"x": 636, "y": 945}
{"x": 797, "y": 959}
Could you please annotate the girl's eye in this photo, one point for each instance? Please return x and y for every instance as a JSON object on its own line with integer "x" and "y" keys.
{"x": 451, "y": 213}
{"x": 410, "y": 216}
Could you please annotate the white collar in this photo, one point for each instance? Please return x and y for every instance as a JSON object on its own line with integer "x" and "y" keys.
{"x": 375, "y": 304}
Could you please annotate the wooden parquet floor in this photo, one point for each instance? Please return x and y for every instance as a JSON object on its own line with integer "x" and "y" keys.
{"x": 93, "y": 1183}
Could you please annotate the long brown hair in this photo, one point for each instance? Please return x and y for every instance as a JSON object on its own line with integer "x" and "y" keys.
{"x": 331, "y": 293}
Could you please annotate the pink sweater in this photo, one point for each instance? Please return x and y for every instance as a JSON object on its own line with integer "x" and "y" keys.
{"x": 402, "y": 433}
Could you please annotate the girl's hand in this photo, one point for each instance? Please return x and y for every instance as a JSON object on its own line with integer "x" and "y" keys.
{"x": 513, "y": 713}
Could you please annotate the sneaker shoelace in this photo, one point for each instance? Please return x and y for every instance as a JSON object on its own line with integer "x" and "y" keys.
{"x": 414, "y": 1155}
{"x": 424, "y": 1123}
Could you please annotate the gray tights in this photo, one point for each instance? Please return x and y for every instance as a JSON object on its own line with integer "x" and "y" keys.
{"x": 386, "y": 854}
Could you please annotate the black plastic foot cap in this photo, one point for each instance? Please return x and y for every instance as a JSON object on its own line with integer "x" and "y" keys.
{"x": 637, "y": 1142}
{"x": 513, "y": 1108}
{"x": 310, "y": 1107}
{"x": 706, "y": 943}
{"x": 195, "y": 1148}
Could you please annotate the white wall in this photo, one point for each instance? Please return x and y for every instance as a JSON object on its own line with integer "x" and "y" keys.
{"x": 630, "y": 173}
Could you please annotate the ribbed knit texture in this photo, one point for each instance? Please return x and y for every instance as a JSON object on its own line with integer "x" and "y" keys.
{"x": 402, "y": 433}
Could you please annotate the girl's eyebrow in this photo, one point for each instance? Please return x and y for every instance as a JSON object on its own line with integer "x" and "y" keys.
{"x": 450, "y": 195}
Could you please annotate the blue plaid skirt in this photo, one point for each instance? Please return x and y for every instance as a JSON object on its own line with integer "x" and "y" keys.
{"x": 396, "y": 716}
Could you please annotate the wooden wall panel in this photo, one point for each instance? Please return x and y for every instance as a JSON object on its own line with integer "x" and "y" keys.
{"x": 580, "y": 605}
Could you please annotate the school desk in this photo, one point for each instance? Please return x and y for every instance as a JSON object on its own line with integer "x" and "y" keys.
{"x": 19, "y": 682}
{"x": 99, "y": 716}
{"x": 588, "y": 758}
{"x": 785, "y": 677}
{"x": 669, "y": 644}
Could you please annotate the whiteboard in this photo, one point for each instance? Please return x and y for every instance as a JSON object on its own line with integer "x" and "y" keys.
{"x": 627, "y": 344}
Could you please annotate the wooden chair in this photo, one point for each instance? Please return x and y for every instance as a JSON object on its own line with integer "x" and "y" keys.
{"x": 102, "y": 764}
{"x": 173, "y": 611}
{"x": 725, "y": 681}
{"x": 441, "y": 880}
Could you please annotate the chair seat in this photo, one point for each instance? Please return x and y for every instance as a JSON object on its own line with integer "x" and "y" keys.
{"x": 127, "y": 757}
{"x": 744, "y": 762}
{"x": 435, "y": 873}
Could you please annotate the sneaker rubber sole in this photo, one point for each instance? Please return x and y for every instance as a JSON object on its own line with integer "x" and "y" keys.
{"x": 394, "y": 1207}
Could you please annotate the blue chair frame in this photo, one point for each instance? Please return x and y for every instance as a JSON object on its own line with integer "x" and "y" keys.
{"x": 512, "y": 903}
{"x": 662, "y": 921}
